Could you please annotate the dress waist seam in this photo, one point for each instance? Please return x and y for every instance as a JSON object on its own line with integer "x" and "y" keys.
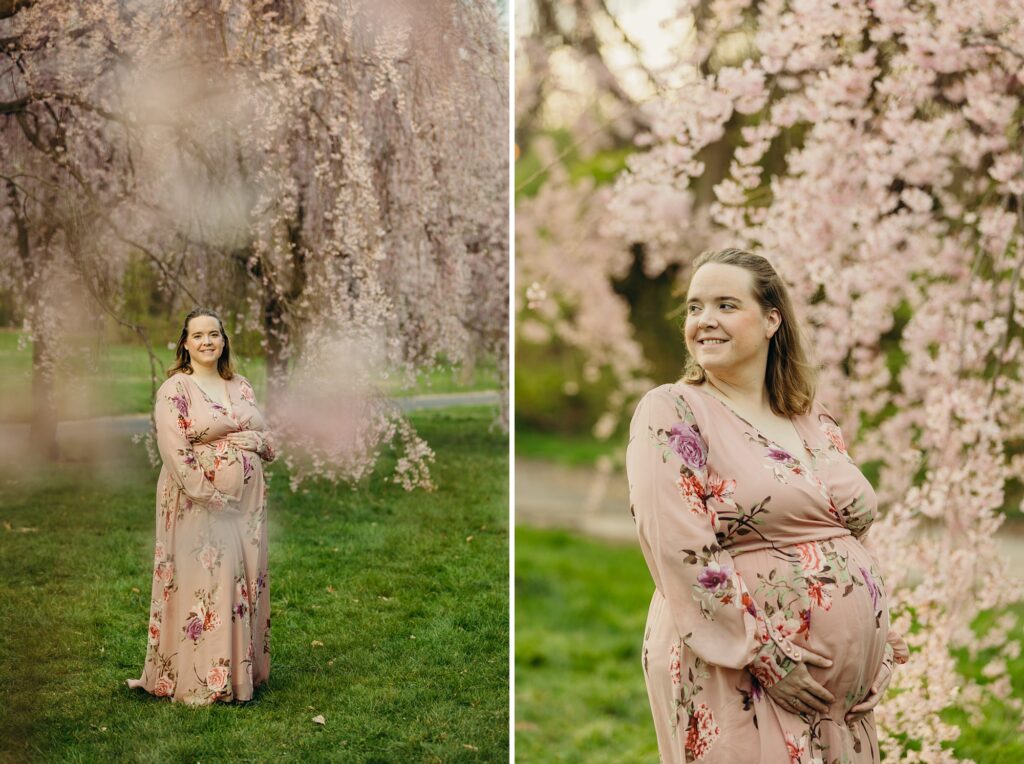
{"x": 739, "y": 552}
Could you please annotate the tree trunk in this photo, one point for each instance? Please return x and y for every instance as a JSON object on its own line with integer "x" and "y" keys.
{"x": 276, "y": 331}
{"x": 43, "y": 430}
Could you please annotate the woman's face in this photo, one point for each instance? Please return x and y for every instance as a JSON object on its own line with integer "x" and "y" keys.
{"x": 726, "y": 330}
{"x": 205, "y": 341}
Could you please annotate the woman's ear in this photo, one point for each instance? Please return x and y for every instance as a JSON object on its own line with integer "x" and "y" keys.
{"x": 774, "y": 319}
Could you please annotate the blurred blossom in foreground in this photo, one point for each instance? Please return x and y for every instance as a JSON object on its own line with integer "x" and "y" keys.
{"x": 333, "y": 421}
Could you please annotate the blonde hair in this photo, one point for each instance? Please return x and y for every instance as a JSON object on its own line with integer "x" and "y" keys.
{"x": 790, "y": 377}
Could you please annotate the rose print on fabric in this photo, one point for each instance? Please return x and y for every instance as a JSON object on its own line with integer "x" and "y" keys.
{"x": 750, "y": 551}
{"x": 675, "y": 668}
{"x": 830, "y": 427}
{"x": 702, "y": 731}
{"x": 217, "y": 678}
{"x": 213, "y": 685}
{"x": 715, "y": 585}
{"x": 247, "y": 394}
{"x": 720, "y": 489}
{"x": 714, "y": 576}
{"x": 686, "y": 441}
{"x": 209, "y": 555}
{"x": 811, "y": 560}
{"x": 164, "y": 686}
{"x": 795, "y": 748}
{"x": 202, "y": 617}
{"x": 196, "y": 621}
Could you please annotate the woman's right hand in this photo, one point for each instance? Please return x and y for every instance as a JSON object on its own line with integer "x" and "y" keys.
{"x": 798, "y": 692}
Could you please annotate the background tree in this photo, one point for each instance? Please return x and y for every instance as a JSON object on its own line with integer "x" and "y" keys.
{"x": 329, "y": 174}
{"x": 874, "y": 154}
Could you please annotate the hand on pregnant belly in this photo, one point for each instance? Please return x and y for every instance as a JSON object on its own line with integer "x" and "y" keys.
{"x": 878, "y": 688}
{"x": 798, "y": 692}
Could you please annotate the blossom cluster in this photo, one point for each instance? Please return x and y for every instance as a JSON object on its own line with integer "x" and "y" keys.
{"x": 332, "y": 167}
{"x": 872, "y": 151}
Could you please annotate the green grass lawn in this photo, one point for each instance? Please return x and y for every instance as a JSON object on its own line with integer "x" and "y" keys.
{"x": 569, "y": 450}
{"x": 108, "y": 379}
{"x": 580, "y": 696}
{"x": 414, "y": 662}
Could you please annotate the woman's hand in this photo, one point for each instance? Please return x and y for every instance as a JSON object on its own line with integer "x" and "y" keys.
{"x": 875, "y": 694}
{"x": 798, "y": 692}
{"x": 247, "y": 440}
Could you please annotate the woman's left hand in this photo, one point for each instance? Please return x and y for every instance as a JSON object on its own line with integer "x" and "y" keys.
{"x": 875, "y": 694}
{"x": 247, "y": 440}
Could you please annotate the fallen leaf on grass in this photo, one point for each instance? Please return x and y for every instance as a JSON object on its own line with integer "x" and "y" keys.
{"x": 470, "y": 747}
{"x": 10, "y": 529}
{"x": 316, "y": 643}
{"x": 330, "y": 590}
{"x": 469, "y": 538}
{"x": 136, "y": 590}
{"x": 319, "y": 719}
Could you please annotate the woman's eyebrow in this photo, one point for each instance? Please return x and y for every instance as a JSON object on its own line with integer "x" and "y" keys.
{"x": 716, "y": 299}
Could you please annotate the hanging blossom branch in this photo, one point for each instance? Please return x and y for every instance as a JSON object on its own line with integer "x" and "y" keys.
{"x": 343, "y": 178}
{"x": 873, "y": 154}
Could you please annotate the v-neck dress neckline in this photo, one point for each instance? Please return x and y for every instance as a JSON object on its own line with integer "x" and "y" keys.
{"x": 227, "y": 408}
{"x": 809, "y": 467}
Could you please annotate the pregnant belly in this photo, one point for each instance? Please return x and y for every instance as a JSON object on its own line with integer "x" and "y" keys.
{"x": 229, "y": 468}
{"x": 827, "y": 596}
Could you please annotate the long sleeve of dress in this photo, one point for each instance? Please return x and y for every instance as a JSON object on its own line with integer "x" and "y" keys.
{"x": 266, "y": 447}
{"x": 265, "y": 450}
{"x": 172, "y": 422}
{"x": 709, "y": 602}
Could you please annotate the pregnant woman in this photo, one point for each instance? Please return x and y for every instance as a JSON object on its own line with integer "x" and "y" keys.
{"x": 768, "y": 636}
{"x": 209, "y": 623}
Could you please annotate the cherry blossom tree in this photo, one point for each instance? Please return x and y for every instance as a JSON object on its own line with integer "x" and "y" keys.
{"x": 874, "y": 153}
{"x": 338, "y": 165}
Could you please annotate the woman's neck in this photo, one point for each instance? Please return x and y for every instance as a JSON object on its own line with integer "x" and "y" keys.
{"x": 748, "y": 392}
{"x": 205, "y": 373}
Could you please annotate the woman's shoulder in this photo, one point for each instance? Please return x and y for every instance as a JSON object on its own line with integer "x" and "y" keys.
{"x": 248, "y": 392}
{"x": 818, "y": 412}
{"x": 174, "y": 384}
{"x": 677, "y": 399}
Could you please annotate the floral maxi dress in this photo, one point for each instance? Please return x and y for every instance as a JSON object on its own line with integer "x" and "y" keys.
{"x": 754, "y": 555}
{"x": 209, "y": 622}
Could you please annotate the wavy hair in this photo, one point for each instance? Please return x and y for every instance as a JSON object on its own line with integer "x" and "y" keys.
{"x": 182, "y": 358}
{"x": 790, "y": 377}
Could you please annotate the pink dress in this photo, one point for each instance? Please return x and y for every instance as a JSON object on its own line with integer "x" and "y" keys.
{"x": 753, "y": 557}
{"x": 209, "y": 621}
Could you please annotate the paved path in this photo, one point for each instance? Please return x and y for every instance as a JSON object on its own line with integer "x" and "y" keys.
{"x": 583, "y": 500}
{"x": 79, "y": 435}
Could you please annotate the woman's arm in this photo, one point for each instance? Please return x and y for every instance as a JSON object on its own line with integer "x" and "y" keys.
{"x": 264, "y": 445}
{"x": 709, "y": 602}
{"x": 171, "y": 414}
